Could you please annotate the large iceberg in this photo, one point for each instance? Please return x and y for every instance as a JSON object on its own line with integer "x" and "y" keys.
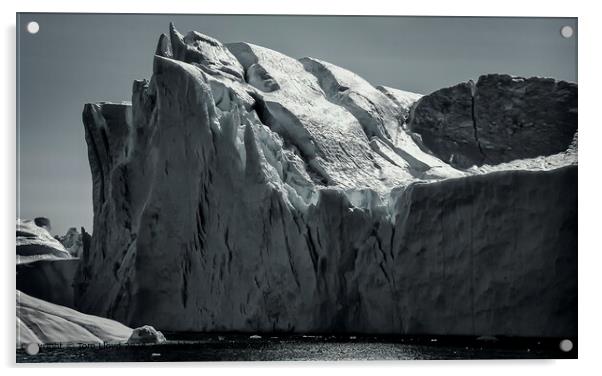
{"x": 245, "y": 190}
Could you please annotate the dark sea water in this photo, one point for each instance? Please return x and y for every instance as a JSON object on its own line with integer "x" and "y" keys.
{"x": 195, "y": 347}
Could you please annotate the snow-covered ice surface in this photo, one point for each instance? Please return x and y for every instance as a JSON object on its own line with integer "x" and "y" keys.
{"x": 35, "y": 243}
{"x": 46, "y": 323}
{"x": 146, "y": 334}
{"x": 245, "y": 190}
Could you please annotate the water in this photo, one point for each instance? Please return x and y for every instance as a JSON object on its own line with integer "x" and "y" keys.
{"x": 195, "y": 347}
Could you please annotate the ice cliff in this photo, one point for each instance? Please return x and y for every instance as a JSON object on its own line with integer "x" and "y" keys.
{"x": 46, "y": 265}
{"x": 245, "y": 190}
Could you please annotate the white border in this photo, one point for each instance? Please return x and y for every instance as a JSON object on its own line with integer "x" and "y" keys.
{"x": 590, "y": 138}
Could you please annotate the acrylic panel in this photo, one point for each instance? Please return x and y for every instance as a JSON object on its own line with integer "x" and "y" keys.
{"x": 237, "y": 187}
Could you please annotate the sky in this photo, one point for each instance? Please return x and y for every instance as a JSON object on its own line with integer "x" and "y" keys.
{"x": 79, "y": 58}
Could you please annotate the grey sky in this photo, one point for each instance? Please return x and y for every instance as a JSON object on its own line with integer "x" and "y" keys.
{"x": 79, "y": 58}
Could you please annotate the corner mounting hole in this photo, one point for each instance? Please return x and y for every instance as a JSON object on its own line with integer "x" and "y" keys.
{"x": 566, "y": 345}
{"x": 33, "y": 27}
{"x": 566, "y": 32}
{"x": 32, "y": 348}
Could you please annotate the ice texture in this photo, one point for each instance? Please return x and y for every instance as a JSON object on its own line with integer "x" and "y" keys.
{"x": 46, "y": 323}
{"x": 245, "y": 190}
{"x": 498, "y": 119}
{"x": 146, "y": 334}
{"x": 36, "y": 243}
